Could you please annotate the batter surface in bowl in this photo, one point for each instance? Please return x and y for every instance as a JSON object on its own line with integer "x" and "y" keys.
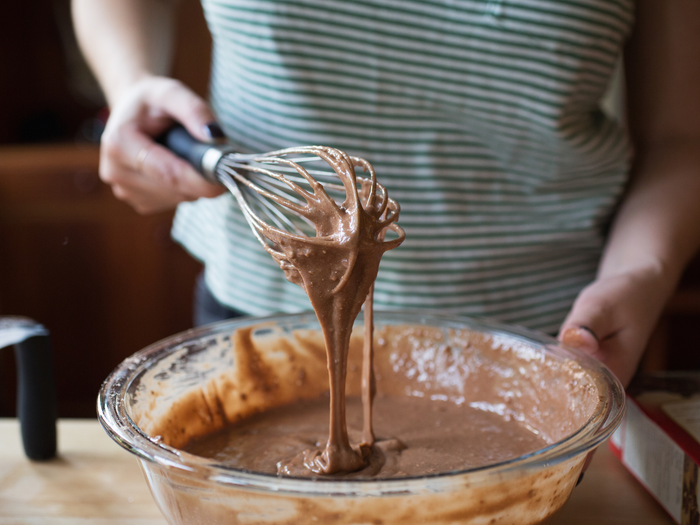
{"x": 435, "y": 436}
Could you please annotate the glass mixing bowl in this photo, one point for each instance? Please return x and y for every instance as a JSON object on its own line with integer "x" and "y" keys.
{"x": 195, "y": 382}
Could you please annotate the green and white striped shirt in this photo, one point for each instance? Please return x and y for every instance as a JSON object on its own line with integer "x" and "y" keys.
{"x": 481, "y": 117}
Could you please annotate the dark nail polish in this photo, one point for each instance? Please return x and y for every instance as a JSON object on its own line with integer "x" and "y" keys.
{"x": 580, "y": 479}
{"x": 590, "y": 331}
{"x": 214, "y": 131}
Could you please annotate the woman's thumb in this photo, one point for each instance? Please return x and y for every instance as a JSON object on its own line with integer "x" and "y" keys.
{"x": 580, "y": 337}
{"x": 587, "y": 324}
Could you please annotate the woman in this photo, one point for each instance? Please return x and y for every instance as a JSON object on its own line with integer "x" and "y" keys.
{"x": 482, "y": 119}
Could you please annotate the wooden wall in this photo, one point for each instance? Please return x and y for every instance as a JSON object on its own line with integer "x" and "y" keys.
{"x": 104, "y": 280}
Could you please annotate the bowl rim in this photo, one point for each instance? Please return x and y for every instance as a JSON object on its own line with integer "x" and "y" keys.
{"x": 116, "y": 421}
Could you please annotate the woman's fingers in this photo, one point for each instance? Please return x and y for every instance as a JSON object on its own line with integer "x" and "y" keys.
{"x": 581, "y": 337}
{"x": 591, "y": 321}
{"x": 163, "y": 168}
{"x": 140, "y": 196}
{"x": 185, "y": 106}
{"x": 148, "y": 176}
{"x": 141, "y": 172}
{"x": 597, "y": 325}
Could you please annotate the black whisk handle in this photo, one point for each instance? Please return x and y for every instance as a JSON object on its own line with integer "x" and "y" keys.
{"x": 178, "y": 140}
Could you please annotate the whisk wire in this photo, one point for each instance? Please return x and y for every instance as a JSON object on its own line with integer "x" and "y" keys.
{"x": 271, "y": 190}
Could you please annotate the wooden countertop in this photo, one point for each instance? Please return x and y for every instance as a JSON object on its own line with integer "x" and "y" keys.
{"x": 94, "y": 481}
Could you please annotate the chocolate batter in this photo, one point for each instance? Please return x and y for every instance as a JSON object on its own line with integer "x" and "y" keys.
{"x": 336, "y": 269}
{"x": 436, "y": 436}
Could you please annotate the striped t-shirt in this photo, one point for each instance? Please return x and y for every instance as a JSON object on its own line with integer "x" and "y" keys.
{"x": 481, "y": 117}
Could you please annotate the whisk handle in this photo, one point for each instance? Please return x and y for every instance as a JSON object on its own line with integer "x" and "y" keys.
{"x": 202, "y": 156}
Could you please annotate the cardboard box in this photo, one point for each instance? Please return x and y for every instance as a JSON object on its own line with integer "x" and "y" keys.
{"x": 659, "y": 440}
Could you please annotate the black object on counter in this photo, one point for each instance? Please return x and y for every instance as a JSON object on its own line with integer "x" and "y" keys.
{"x": 36, "y": 390}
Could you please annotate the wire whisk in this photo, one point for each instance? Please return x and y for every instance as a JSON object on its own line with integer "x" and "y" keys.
{"x": 309, "y": 195}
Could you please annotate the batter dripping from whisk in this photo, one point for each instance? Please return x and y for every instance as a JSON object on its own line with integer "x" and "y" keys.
{"x": 336, "y": 269}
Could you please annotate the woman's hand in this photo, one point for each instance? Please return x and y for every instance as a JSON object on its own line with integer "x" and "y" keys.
{"x": 613, "y": 318}
{"x": 128, "y": 43}
{"x": 145, "y": 174}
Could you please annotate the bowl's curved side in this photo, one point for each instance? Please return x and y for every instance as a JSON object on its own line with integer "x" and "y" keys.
{"x": 516, "y": 498}
{"x": 166, "y": 463}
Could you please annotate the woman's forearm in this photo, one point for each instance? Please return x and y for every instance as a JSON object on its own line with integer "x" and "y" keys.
{"x": 658, "y": 224}
{"x": 657, "y": 228}
{"x": 655, "y": 233}
{"x": 124, "y": 40}
{"x": 128, "y": 45}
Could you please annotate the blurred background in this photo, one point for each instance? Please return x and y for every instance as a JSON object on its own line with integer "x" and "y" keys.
{"x": 105, "y": 281}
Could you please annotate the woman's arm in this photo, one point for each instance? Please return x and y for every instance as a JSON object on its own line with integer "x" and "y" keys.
{"x": 128, "y": 44}
{"x": 657, "y": 228}
{"x": 125, "y": 41}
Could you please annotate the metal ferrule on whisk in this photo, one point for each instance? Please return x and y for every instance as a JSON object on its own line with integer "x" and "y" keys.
{"x": 211, "y": 159}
